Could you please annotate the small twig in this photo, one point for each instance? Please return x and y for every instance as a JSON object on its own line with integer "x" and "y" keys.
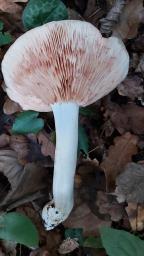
{"x": 112, "y": 18}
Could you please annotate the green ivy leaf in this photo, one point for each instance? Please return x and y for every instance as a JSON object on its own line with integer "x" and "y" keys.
{"x": 39, "y": 12}
{"x": 5, "y": 38}
{"x": 18, "y": 228}
{"x": 75, "y": 233}
{"x": 82, "y": 140}
{"x": 121, "y": 243}
{"x": 93, "y": 242}
{"x": 27, "y": 122}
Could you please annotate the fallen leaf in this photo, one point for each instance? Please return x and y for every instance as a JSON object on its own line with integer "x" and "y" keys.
{"x": 23, "y": 184}
{"x": 37, "y": 13}
{"x": 10, "y": 7}
{"x": 131, "y": 87}
{"x": 93, "y": 12}
{"x": 4, "y": 140}
{"x": 118, "y": 156}
{"x": 27, "y": 122}
{"x": 20, "y": 145}
{"x": 128, "y": 117}
{"x": 10, "y": 107}
{"x": 108, "y": 23}
{"x": 136, "y": 216}
{"x": 82, "y": 217}
{"x": 68, "y": 245}
{"x": 47, "y": 146}
{"x": 130, "y": 184}
{"x": 107, "y": 204}
{"x": 130, "y": 19}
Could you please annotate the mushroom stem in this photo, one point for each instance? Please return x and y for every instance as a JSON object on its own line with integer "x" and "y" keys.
{"x": 66, "y": 124}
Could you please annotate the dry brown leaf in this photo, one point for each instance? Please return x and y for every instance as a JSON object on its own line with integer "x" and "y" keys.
{"x": 130, "y": 184}
{"x": 82, "y": 217}
{"x": 68, "y": 245}
{"x": 118, "y": 156}
{"x": 25, "y": 183}
{"x": 47, "y": 147}
{"x": 10, "y": 107}
{"x": 20, "y": 144}
{"x": 93, "y": 12}
{"x": 10, "y": 7}
{"x": 112, "y": 18}
{"x": 107, "y": 204}
{"x": 136, "y": 216}
{"x": 130, "y": 19}
{"x": 4, "y": 140}
{"x": 131, "y": 87}
{"x": 128, "y": 117}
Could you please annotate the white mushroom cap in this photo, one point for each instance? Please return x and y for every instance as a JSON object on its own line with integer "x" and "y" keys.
{"x": 63, "y": 61}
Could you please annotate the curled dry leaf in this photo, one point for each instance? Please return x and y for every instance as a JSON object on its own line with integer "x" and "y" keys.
{"x": 68, "y": 245}
{"x": 47, "y": 146}
{"x": 131, "y": 87}
{"x": 136, "y": 216}
{"x": 112, "y": 17}
{"x": 130, "y": 184}
{"x": 130, "y": 19}
{"x": 128, "y": 117}
{"x": 10, "y": 107}
{"x": 118, "y": 156}
{"x": 10, "y": 7}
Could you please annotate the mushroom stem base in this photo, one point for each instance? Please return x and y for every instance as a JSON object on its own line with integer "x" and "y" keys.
{"x": 66, "y": 123}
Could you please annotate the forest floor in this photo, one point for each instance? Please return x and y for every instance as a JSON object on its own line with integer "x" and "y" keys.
{"x": 109, "y": 180}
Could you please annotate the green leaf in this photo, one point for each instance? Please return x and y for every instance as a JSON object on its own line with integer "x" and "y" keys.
{"x": 93, "y": 242}
{"x": 27, "y": 122}
{"x": 75, "y": 233}
{"x": 82, "y": 140}
{"x": 5, "y": 38}
{"x": 1, "y": 25}
{"x": 18, "y": 228}
{"x": 38, "y": 12}
{"x": 121, "y": 243}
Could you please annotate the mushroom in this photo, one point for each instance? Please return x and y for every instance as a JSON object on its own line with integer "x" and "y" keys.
{"x": 60, "y": 66}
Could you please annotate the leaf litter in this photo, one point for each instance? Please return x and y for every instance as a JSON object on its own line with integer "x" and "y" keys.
{"x": 111, "y": 171}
